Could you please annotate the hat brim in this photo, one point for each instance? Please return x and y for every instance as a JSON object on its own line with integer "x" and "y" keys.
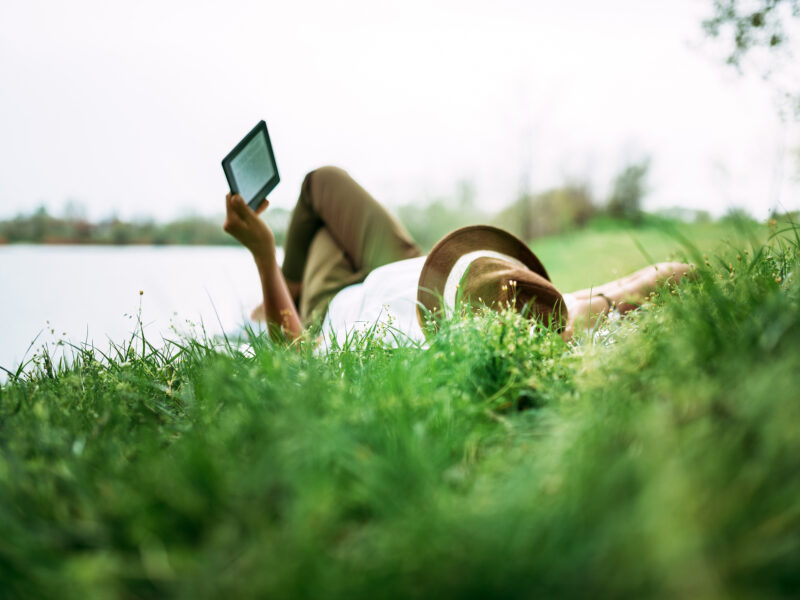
{"x": 450, "y": 248}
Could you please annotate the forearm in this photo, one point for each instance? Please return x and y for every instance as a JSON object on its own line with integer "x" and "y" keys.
{"x": 254, "y": 234}
{"x": 279, "y": 308}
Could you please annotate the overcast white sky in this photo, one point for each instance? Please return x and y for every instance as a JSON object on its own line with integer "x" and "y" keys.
{"x": 129, "y": 107}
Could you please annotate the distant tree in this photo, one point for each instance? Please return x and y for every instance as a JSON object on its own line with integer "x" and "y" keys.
{"x": 752, "y": 23}
{"x": 737, "y": 214}
{"x": 552, "y": 211}
{"x": 748, "y": 25}
{"x": 703, "y": 216}
{"x": 630, "y": 188}
{"x": 40, "y": 224}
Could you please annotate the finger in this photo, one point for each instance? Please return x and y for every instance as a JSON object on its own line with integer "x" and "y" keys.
{"x": 262, "y": 207}
{"x": 241, "y": 209}
{"x": 233, "y": 219}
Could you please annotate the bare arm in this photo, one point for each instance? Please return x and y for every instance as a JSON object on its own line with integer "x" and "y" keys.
{"x": 254, "y": 234}
{"x": 625, "y": 294}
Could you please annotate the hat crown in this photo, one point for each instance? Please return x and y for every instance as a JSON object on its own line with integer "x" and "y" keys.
{"x": 501, "y": 284}
{"x": 454, "y": 283}
{"x": 489, "y": 266}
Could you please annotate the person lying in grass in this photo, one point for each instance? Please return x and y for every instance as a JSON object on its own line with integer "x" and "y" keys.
{"x": 348, "y": 263}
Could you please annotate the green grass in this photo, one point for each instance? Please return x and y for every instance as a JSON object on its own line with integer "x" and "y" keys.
{"x": 657, "y": 457}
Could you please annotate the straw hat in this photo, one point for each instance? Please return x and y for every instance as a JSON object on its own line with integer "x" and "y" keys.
{"x": 485, "y": 265}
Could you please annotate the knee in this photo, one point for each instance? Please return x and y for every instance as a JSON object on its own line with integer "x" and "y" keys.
{"x": 325, "y": 174}
{"x": 317, "y": 181}
{"x": 329, "y": 171}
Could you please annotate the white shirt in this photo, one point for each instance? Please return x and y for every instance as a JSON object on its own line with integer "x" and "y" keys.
{"x": 385, "y": 301}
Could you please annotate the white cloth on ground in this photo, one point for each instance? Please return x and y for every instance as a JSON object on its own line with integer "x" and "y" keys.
{"x": 385, "y": 301}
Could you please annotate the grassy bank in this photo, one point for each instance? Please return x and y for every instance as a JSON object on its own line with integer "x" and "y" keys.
{"x": 657, "y": 457}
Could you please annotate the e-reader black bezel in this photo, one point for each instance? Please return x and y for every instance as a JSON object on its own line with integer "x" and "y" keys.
{"x": 271, "y": 183}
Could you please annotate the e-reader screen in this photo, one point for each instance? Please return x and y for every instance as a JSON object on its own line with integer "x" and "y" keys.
{"x": 250, "y": 167}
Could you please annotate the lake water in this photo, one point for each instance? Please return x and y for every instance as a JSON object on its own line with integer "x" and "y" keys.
{"x": 91, "y": 293}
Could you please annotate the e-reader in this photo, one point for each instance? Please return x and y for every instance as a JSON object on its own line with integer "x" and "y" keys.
{"x": 250, "y": 167}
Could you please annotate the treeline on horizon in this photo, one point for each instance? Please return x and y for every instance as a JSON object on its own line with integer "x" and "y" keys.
{"x": 558, "y": 210}
{"x": 41, "y": 227}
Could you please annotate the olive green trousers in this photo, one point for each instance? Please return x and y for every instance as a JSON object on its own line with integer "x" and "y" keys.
{"x": 338, "y": 233}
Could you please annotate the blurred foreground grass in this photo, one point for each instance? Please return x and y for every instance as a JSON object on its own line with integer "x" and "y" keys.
{"x": 657, "y": 457}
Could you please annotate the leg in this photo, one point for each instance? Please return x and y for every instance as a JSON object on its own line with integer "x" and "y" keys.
{"x": 360, "y": 229}
{"x": 327, "y": 271}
